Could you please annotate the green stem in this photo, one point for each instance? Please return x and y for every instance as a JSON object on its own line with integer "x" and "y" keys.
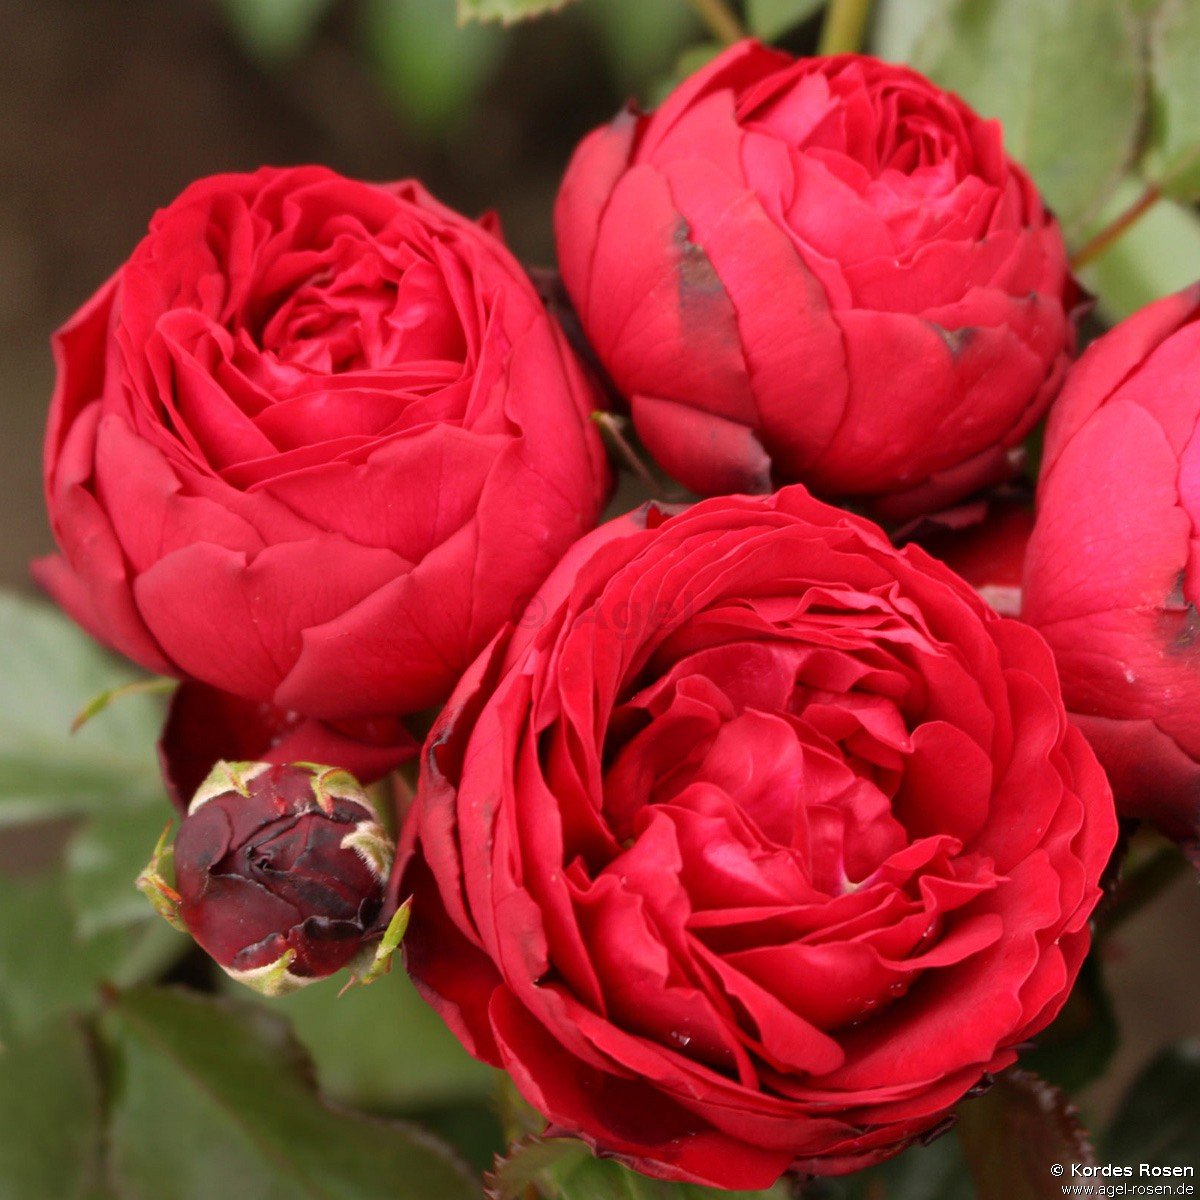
{"x": 1142, "y": 885}
{"x": 613, "y": 434}
{"x": 1097, "y": 245}
{"x": 158, "y": 685}
{"x": 720, "y": 20}
{"x": 845, "y": 26}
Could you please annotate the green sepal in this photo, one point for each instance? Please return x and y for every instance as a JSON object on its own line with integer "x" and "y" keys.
{"x": 334, "y": 783}
{"x": 153, "y": 884}
{"x": 227, "y": 777}
{"x": 275, "y": 979}
{"x": 376, "y": 961}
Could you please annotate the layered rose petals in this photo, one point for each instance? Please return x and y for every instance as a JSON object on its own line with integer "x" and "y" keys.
{"x": 1112, "y": 575}
{"x": 757, "y": 848}
{"x": 296, "y": 429}
{"x": 823, "y": 270}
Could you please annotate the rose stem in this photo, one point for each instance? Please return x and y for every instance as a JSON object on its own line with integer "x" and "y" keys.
{"x": 719, "y": 18}
{"x": 1140, "y": 886}
{"x": 845, "y": 25}
{"x": 611, "y": 431}
{"x": 1096, "y": 246}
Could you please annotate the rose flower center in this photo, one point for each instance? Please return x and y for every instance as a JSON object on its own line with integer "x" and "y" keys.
{"x": 780, "y": 781}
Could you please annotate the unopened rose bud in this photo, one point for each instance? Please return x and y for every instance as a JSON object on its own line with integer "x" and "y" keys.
{"x": 796, "y": 319}
{"x": 280, "y": 874}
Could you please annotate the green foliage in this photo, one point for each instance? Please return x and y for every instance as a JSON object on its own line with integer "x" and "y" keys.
{"x": 1036, "y": 66}
{"x": 275, "y": 30}
{"x": 103, "y": 859}
{"x": 46, "y": 968}
{"x": 50, "y": 1114}
{"x": 431, "y": 72}
{"x": 382, "y": 1047}
{"x": 506, "y": 11}
{"x": 642, "y": 41}
{"x": 770, "y": 19}
{"x": 58, "y": 938}
{"x": 900, "y": 25}
{"x": 51, "y": 671}
{"x": 1014, "y": 1134}
{"x": 1158, "y": 1121}
{"x": 215, "y": 1099}
{"x": 1174, "y": 158}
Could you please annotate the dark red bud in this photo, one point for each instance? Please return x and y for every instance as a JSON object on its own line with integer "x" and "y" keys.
{"x": 281, "y": 872}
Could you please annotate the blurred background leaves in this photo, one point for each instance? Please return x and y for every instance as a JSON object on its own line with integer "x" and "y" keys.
{"x": 1034, "y": 66}
{"x": 274, "y": 30}
{"x": 213, "y": 1097}
{"x": 770, "y": 19}
{"x": 1175, "y": 98}
{"x": 429, "y": 70}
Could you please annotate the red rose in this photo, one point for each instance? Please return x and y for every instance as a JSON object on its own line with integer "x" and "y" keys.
{"x": 1112, "y": 576}
{"x": 312, "y": 443}
{"x": 820, "y": 269}
{"x": 756, "y": 845}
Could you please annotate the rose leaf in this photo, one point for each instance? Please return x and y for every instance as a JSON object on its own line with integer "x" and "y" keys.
{"x": 215, "y": 1098}
{"x": 1021, "y": 1138}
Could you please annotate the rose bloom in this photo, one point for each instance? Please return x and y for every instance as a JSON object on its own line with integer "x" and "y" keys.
{"x": 755, "y": 845}
{"x": 1112, "y": 576}
{"x": 313, "y": 443}
{"x": 819, "y": 269}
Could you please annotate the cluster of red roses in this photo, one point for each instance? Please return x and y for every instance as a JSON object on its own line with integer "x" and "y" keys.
{"x": 745, "y": 841}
